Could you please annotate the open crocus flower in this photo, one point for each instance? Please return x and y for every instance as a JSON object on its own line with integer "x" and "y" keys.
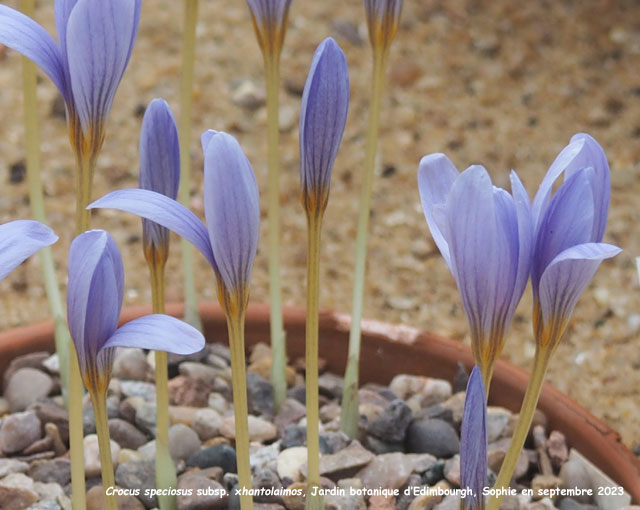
{"x": 323, "y": 115}
{"x": 485, "y": 237}
{"x": 159, "y": 171}
{"x": 230, "y": 239}
{"x": 473, "y": 443}
{"x": 19, "y": 240}
{"x": 94, "y": 300}
{"x": 270, "y": 23}
{"x": 569, "y": 226}
{"x": 95, "y": 39}
{"x": 383, "y": 17}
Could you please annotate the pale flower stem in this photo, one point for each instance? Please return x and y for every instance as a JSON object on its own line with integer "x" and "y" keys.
{"x": 165, "y": 470}
{"x": 540, "y": 364}
{"x": 76, "y": 446}
{"x": 235, "y": 327}
{"x": 314, "y": 223}
{"x": 278, "y": 347}
{"x": 36, "y": 200}
{"x": 191, "y": 315}
{"x": 99, "y": 403}
{"x": 349, "y": 414}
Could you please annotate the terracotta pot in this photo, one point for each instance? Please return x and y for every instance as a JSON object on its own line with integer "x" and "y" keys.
{"x": 386, "y": 351}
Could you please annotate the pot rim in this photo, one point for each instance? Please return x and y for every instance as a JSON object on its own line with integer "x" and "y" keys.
{"x": 384, "y": 347}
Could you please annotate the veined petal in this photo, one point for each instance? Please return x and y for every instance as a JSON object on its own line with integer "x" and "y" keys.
{"x": 567, "y": 221}
{"x": 63, "y": 9}
{"x": 473, "y": 442}
{"x": 525, "y": 239}
{"x": 472, "y": 235}
{"x": 162, "y": 210}
{"x": 383, "y": 17}
{"x": 232, "y": 210}
{"x": 158, "y": 332}
{"x": 22, "y": 34}
{"x": 436, "y": 174}
{"x": 19, "y": 240}
{"x": 159, "y": 163}
{"x": 94, "y": 300}
{"x": 100, "y": 38}
{"x": 567, "y": 276}
{"x": 270, "y": 23}
{"x": 582, "y": 152}
{"x": 323, "y": 115}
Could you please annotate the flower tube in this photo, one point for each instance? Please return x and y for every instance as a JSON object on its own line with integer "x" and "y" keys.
{"x": 229, "y": 242}
{"x": 485, "y": 237}
{"x": 323, "y": 115}
{"x": 94, "y": 301}
{"x": 473, "y": 443}
{"x": 383, "y": 17}
{"x": 270, "y": 24}
{"x": 567, "y": 251}
{"x": 160, "y": 172}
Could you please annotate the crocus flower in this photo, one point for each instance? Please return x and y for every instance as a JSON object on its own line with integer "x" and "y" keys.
{"x": 230, "y": 239}
{"x": 159, "y": 170}
{"x": 94, "y": 300}
{"x": 270, "y": 23}
{"x": 323, "y": 115}
{"x": 383, "y": 17}
{"x": 569, "y": 226}
{"x": 95, "y": 39}
{"x": 473, "y": 443}
{"x": 19, "y": 240}
{"x": 485, "y": 237}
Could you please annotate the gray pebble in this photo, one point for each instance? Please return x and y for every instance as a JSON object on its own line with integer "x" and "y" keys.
{"x": 18, "y": 431}
{"x": 26, "y": 386}
{"x": 183, "y": 441}
{"x": 391, "y": 425}
{"x": 126, "y": 434}
{"x": 221, "y": 455}
{"x": 434, "y": 436}
{"x": 259, "y": 394}
{"x": 138, "y": 475}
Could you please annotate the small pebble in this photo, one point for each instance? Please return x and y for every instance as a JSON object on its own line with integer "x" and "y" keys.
{"x": 391, "y": 425}
{"x": 207, "y": 423}
{"x": 183, "y": 442}
{"x": 138, "y": 475}
{"x": 189, "y": 391}
{"x": 259, "y": 429}
{"x": 18, "y": 431}
{"x": 92, "y": 455}
{"x": 434, "y": 436}
{"x": 26, "y": 386}
{"x": 290, "y": 462}
{"x": 125, "y": 434}
{"x": 201, "y": 493}
{"x": 221, "y": 455}
{"x": 130, "y": 363}
{"x": 17, "y": 492}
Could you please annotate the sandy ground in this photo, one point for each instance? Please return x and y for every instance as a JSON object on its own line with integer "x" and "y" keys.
{"x": 498, "y": 83}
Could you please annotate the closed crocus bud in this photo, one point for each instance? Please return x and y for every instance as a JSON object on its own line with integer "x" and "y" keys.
{"x": 570, "y": 224}
{"x": 473, "y": 443}
{"x": 94, "y": 300}
{"x": 323, "y": 115}
{"x": 485, "y": 237}
{"x": 232, "y": 211}
{"x": 383, "y": 17}
{"x": 159, "y": 171}
{"x": 270, "y": 23}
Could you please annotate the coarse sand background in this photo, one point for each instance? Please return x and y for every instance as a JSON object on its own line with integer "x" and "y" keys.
{"x": 504, "y": 84}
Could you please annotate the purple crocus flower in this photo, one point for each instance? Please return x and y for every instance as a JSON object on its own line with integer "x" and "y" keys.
{"x": 230, "y": 239}
{"x": 94, "y": 300}
{"x": 270, "y": 23}
{"x": 383, "y": 17}
{"x": 95, "y": 39}
{"x": 569, "y": 226}
{"x": 19, "y": 240}
{"x": 473, "y": 443}
{"x": 159, "y": 169}
{"x": 485, "y": 237}
{"x": 323, "y": 115}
